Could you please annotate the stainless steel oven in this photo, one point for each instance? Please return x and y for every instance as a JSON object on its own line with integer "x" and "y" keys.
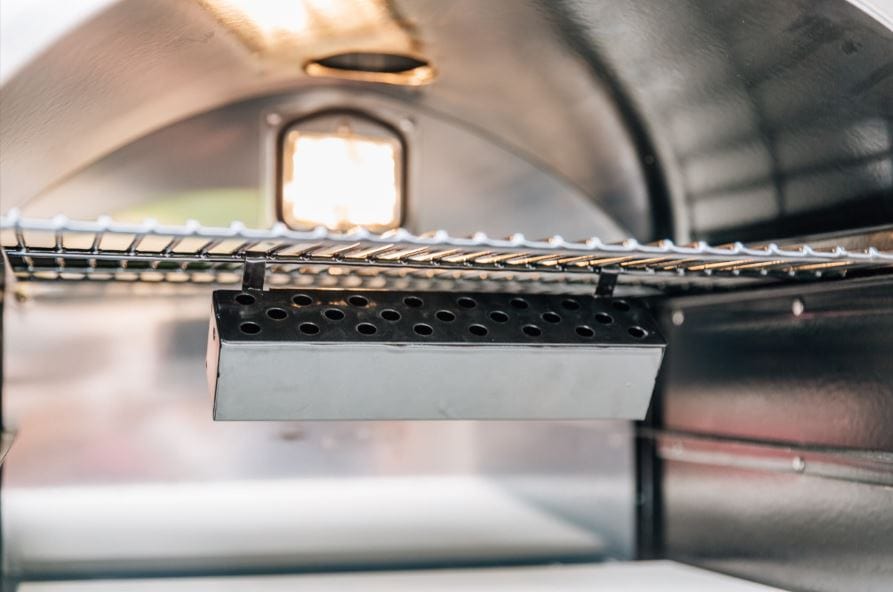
{"x": 416, "y": 294}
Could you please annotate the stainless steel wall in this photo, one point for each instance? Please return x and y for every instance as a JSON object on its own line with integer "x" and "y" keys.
{"x": 776, "y": 442}
{"x": 769, "y": 119}
{"x": 118, "y": 468}
{"x": 506, "y": 81}
{"x": 215, "y": 168}
{"x": 709, "y": 119}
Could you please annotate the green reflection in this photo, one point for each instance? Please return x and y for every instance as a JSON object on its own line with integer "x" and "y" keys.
{"x": 211, "y": 207}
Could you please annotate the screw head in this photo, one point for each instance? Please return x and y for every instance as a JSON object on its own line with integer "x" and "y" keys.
{"x": 678, "y": 318}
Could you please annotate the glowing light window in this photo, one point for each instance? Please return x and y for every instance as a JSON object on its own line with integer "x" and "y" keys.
{"x": 341, "y": 178}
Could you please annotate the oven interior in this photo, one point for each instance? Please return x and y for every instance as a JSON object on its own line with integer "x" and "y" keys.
{"x": 624, "y": 324}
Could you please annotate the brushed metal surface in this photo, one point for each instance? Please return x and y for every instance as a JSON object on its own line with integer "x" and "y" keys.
{"x": 459, "y": 179}
{"x": 762, "y": 118}
{"x": 172, "y": 60}
{"x": 794, "y": 531}
{"x": 777, "y": 463}
{"x": 119, "y": 469}
{"x": 769, "y": 119}
{"x": 748, "y": 366}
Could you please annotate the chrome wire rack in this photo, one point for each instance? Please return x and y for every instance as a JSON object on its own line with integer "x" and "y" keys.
{"x": 62, "y": 249}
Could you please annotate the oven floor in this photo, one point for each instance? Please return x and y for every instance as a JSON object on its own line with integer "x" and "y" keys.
{"x": 641, "y": 576}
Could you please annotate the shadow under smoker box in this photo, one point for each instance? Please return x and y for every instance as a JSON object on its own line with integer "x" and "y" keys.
{"x": 331, "y": 354}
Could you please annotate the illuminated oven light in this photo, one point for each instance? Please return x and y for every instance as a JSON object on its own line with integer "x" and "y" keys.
{"x": 341, "y": 179}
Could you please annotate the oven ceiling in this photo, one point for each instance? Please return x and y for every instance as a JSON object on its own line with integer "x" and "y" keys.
{"x": 709, "y": 119}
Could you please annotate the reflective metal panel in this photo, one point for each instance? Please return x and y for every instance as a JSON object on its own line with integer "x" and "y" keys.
{"x": 763, "y": 118}
{"x": 799, "y": 532}
{"x": 810, "y": 365}
{"x": 119, "y": 468}
{"x": 770, "y": 119}
{"x": 215, "y": 168}
{"x": 180, "y": 61}
{"x": 778, "y": 458}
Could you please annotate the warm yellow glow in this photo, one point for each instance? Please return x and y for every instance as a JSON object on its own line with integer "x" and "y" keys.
{"x": 269, "y": 17}
{"x": 341, "y": 180}
{"x": 270, "y": 24}
{"x": 295, "y": 33}
{"x": 310, "y": 29}
{"x": 416, "y": 77}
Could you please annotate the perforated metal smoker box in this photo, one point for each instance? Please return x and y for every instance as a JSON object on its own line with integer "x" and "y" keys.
{"x": 327, "y": 354}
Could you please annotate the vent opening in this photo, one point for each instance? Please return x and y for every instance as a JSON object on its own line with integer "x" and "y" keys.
{"x": 369, "y": 66}
{"x": 387, "y": 63}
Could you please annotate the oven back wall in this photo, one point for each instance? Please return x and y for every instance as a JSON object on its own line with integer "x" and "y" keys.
{"x": 118, "y": 468}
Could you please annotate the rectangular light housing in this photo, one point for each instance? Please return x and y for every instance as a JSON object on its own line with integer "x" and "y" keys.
{"x": 341, "y": 178}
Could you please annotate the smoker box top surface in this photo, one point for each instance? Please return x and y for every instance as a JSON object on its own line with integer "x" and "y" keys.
{"x": 333, "y": 316}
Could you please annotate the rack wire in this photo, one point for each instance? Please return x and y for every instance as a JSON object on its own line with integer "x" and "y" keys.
{"x": 63, "y": 249}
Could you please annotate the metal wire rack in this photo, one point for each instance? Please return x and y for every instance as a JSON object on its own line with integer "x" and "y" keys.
{"x": 62, "y": 249}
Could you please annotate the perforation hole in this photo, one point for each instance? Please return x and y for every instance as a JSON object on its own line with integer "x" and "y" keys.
{"x": 604, "y": 318}
{"x": 584, "y": 331}
{"x": 519, "y": 303}
{"x": 532, "y": 330}
{"x": 620, "y": 305}
{"x": 413, "y": 301}
{"x": 367, "y": 329}
{"x": 466, "y": 302}
{"x": 551, "y": 317}
{"x": 358, "y": 300}
{"x": 302, "y": 299}
{"x": 499, "y": 316}
{"x": 250, "y": 328}
{"x": 478, "y": 330}
{"x": 637, "y": 332}
{"x": 570, "y": 304}
{"x": 277, "y": 314}
{"x": 423, "y": 329}
{"x": 445, "y": 316}
{"x": 308, "y": 328}
{"x": 333, "y": 314}
{"x": 245, "y": 299}
{"x": 389, "y": 314}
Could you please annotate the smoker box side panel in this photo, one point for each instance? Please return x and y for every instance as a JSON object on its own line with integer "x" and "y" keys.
{"x": 326, "y": 381}
{"x": 212, "y": 359}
